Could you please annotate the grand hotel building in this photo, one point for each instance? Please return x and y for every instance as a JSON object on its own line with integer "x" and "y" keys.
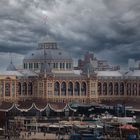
{"x": 48, "y": 73}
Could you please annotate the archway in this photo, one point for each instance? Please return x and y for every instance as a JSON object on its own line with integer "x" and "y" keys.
{"x": 70, "y": 89}
{"x": 77, "y": 89}
{"x": 63, "y": 89}
{"x": 83, "y": 89}
{"x": 56, "y": 89}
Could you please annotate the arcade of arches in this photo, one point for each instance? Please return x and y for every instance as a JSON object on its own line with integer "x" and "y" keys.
{"x": 118, "y": 88}
{"x": 68, "y": 90}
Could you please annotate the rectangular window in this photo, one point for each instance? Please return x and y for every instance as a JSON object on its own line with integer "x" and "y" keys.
{"x": 53, "y": 65}
{"x": 31, "y": 65}
{"x": 60, "y": 65}
{"x": 56, "y": 65}
{"x": 67, "y": 65}
{"x": 63, "y": 65}
{"x": 37, "y": 65}
{"x": 24, "y": 66}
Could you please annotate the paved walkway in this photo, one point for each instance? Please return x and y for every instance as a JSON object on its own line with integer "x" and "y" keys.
{"x": 41, "y": 136}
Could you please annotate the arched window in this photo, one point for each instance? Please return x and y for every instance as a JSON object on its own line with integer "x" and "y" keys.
{"x": 77, "y": 89}
{"x": 19, "y": 88}
{"x": 105, "y": 88}
{"x": 121, "y": 88}
{"x": 110, "y": 89}
{"x": 128, "y": 88}
{"x": 1, "y": 88}
{"x": 56, "y": 89}
{"x": 116, "y": 88}
{"x": 63, "y": 89}
{"x": 30, "y": 88}
{"x": 24, "y": 88}
{"x": 70, "y": 89}
{"x": 99, "y": 88}
{"x": 134, "y": 89}
{"x": 7, "y": 89}
{"x": 83, "y": 88}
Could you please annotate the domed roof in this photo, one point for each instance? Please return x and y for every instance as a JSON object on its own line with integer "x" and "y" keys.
{"x": 11, "y": 67}
{"x": 51, "y": 54}
{"x": 48, "y": 50}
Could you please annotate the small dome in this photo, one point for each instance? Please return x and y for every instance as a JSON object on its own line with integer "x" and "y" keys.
{"x": 11, "y": 67}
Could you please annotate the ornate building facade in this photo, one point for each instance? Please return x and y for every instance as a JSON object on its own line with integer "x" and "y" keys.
{"x": 48, "y": 73}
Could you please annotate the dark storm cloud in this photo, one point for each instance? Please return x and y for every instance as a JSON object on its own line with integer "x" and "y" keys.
{"x": 110, "y": 28}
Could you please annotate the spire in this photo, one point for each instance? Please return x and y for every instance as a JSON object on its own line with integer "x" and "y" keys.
{"x": 45, "y": 67}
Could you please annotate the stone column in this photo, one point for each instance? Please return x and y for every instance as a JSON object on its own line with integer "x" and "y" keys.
{"x": 43, "y": 89}
{"x": 11, "y": 88}
{"x": 58, "y": 64}
{"x": 80, "y": 89}
{"x": 131, "y": 89}
{"x": 138, "y": 88}
{"x": 27, "y": 83}
{"x": 15, "y": 90}
{"x": 108, "y": 94}
{"x": 113, "y": 88}
{"x": 102, "y": 88}
{"x": 60, "y": 90}
{"x": 67, "y": 89}
{"x": 119, "y": 93}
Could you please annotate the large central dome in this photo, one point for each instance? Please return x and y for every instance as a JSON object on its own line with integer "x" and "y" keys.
{"x": 48, "y": 52}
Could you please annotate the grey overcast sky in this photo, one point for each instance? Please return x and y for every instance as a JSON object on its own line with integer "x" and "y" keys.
{"x": 109, "y": 28}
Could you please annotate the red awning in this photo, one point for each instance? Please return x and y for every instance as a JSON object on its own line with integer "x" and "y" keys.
{"x": 128, "y": 127}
